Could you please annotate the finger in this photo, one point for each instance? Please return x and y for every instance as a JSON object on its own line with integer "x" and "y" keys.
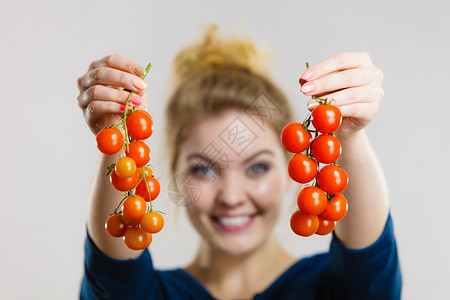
{"x": 103, "y": 93}
{"x": 111, "y": 77}
{"x": 97, "y": 109}
{"x": 118, "y": 62}
{"x": 341, "y": 80}
{"x": 337, "y": 62}
{"x": 363, "y": 94}
{"x": 360, "y": 112}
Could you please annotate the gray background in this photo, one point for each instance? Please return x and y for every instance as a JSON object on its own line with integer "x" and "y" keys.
{"x": 48, "y": 154}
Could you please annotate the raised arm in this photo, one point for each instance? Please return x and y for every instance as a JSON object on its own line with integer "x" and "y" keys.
{"x": 104, "y": 90}
{"x": 352, "y": 80}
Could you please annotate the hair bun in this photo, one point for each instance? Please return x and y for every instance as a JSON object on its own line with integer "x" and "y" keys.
{"x": 216, "y": 53}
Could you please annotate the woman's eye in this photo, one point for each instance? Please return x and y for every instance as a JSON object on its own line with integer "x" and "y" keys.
{"x": 259, "y": 168}
{"x": 202, "y": 171}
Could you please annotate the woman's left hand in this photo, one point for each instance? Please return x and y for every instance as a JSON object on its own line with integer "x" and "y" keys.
{"x": 353, "y": 81}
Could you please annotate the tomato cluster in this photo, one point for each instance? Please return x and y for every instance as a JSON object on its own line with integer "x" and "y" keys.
{"x": 134, "y": 218}
{"x": 320, "y": 205}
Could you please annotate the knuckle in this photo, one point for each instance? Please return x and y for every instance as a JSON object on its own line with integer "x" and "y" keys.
{"x": 347, "y": 78}
{"x": 79, "y": 82}
{"x": 123, "y": 77}
{"x": 94, "y": 92}
{"x": 80, "y": 101}
{"x": 99, "y": 74}
{"x": 352, "y": 94}
{"x": 109, "y": 59}
{"x": 381, "y": 92}
{"x": 380, "y": 74}
{"x": 340, "y": 58}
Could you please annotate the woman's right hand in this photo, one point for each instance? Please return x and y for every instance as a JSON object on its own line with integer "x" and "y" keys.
{"x": 105, "y": 88}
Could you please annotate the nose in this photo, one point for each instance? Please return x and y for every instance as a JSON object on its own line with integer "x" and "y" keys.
{"x": 231, "y": 190}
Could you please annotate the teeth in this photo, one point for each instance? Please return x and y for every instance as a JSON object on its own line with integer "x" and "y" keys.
{"x": 233, "y": 221}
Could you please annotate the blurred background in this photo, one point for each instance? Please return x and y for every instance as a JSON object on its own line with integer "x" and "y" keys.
{"x": 48, "y": 153}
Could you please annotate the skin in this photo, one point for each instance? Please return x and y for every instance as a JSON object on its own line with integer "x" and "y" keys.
{"x": 235, "y": 268}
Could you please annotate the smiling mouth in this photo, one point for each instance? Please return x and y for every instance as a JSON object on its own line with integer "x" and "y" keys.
{"x": 233, "y": 224}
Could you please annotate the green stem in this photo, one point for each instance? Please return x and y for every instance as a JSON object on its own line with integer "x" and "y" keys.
{"x": 120, "y": 204}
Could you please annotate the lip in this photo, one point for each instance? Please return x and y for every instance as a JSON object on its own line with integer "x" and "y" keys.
{"x": 230, "y": 228}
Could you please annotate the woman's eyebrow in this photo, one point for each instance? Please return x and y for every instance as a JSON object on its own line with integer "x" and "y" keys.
{"x": 200, "y": 156}
{"x": 253, "y": 156}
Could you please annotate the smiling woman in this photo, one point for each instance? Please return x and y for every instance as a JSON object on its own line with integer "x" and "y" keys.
{"x": 224, "y": 120}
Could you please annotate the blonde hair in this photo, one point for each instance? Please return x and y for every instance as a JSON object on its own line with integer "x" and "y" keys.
{"x": 215, "y": 75}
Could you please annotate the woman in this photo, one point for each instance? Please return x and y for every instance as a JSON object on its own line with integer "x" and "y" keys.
{"x": 234, "y": 154}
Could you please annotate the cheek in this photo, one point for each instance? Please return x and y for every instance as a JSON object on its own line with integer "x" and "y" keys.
{"x": 200, "y": 196}
{"x": 268, "y": 190}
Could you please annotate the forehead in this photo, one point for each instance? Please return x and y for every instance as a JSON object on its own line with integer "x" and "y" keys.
{"x": 231, "y": 133}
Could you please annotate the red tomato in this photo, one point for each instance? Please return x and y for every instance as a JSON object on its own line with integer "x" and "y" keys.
{"x": 125, "y": 167}
{"x": 295, "y": 138}
{"x": 130, "y": 222}
{"x": 149, "y": 240}
{"x": 325, "y": 226}
{"x": 115, "y": 226}
{"x": 140, "y": 125}
{"x": 136, "y": 238}
{"x": 332, "y": 179}
{"x": 134, "y": 207}
{"x": 302, "y": 168}
{"x": 153, "y": 185}
{"x": 124, "y": 184}
{"x": 148, "y": 171}
{"x": 326, "y": 118}
{"x": 304, "y": 224}
{"x": 109, "y": 140}
{"x": 326, "y": 148}
{"x": 139, "y": 152}
{"x": 312, "y": 200}
{"x": 152, "y": 222}
{"x": 337, "y": 210}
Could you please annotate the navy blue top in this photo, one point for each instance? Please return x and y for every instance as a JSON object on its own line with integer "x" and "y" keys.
{"x": 369, "y": 273}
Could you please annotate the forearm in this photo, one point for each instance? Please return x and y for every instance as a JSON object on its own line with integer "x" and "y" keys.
{"x": 103, "y": 200}
{"x": 366, "y": 193}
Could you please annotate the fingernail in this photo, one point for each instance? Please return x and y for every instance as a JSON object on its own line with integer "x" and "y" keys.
{"x": 140, "y": 84}
{"x": 308, "y": 75}
{"x": 139, "y": 71}
{"x": 122, "y": 107}
{"x": 135, "y": 99}
{"x": 312, "y": 104}
{"x": 308, "y": 87}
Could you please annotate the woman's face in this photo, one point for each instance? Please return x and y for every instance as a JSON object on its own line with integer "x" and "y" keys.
{"x": 236, "y": 175}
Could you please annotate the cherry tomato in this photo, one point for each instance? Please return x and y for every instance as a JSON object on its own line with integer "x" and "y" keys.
{"x": 304, "y": 224}
{"x": 337, "y": 210}
{"x": 312, "y": 200}
{"x": 109, "y": 140}
{"x": 332, "y": 179}
{"x": 130, "y": 222}
{"x": 134, "y": 207}
{"x": 115, "y": 226}
{"x": 124, "y": 184}
{"x": 136, "y": 238}
{"x": 326, "y": 148}
{"x": 326, "y": 118}
{"x": 302, "y": 168}
{"x": 152, "y": 222}
{"x": 139, "y": 152}
{"x": 153, "y": 185}
{"x": 295, "y": 138}
{"x": 125, "y": 167}
{"x": 149, "y": 240}
{"x": 148, "y": 171}
{"x": 140, "y": 125}
{"x": 325, "y": 226}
